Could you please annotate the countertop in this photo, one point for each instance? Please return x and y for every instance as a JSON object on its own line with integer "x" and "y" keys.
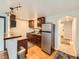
{"x": 18, "y": 37}
{"x": 11, "y": 36}
{"x": 35, "y": 34}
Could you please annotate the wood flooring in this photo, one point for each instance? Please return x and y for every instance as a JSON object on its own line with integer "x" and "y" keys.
{"x": 36, "y": 53}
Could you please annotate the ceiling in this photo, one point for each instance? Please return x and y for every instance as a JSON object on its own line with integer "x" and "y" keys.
{"x": 37, "y": 8}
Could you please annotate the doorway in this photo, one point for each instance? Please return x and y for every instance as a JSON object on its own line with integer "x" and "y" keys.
{"x": 67, "y": 34}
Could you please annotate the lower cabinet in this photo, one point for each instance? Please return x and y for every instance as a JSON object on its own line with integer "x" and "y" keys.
{"x": 22, "y": 43}
{"x": 34, "y": 38}
{"x": 22, "y": 49}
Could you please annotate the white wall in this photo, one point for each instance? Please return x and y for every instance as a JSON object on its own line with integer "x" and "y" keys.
{"x": 54, "y": 19}
{"x": 21, "y": 28}
{"x": 77, "y": 35}
{"x": 4, "y": 5}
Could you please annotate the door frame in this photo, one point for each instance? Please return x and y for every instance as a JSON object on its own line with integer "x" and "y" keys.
{"x": 4, "y": 28}
{"x": 4, "y": 22}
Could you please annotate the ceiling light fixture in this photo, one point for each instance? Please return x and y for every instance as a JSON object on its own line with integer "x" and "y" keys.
{"x": 15, "y": 8}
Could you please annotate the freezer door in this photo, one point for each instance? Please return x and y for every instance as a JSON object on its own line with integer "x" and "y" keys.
{"x": 46, "y": 42}
{"x": 46, "y": 27}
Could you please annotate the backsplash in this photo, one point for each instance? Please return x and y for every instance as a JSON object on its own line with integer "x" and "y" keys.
{"x": 13, "y": 31}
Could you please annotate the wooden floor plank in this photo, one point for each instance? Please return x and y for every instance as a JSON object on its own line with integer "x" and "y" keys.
{"x": 36, "y": 53}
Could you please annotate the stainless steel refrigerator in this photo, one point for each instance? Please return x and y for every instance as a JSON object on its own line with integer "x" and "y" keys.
{"x": 48, "y": 40}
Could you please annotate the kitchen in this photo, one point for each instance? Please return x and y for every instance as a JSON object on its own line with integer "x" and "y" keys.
{"x": 22, "y": 26}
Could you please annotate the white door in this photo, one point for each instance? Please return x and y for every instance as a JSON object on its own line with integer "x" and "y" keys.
{"x": 1, "y": 34}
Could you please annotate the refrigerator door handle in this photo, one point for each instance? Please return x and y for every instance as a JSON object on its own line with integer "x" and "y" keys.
{"x": 46, "y": 31}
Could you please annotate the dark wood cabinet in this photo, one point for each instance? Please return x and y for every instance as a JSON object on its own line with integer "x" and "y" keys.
{"x": 12, "y": 20}
{"x": 34, "y": 38}
{"x": 12, "y": 17}
{"x": 31, "y": 23}
{"x": 22, "y": 43}
{"x": 40, "y": 21}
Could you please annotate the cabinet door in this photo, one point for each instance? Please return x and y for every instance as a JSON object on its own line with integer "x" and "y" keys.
{"x": 40, "y": 21}
{"x": 12, "y": 20}
{"x": 31, "y": 23}
{"x": 22, "y": 43}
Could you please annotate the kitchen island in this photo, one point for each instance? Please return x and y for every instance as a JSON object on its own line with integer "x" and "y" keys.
{"x": 11, "y": 44}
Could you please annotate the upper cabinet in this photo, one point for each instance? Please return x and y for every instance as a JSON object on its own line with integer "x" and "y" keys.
{"x": 40, "y": 21}
{"x": 12, "y": 20}
{"x": 37, "y": 23}
{"x": 31, "y": 23}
